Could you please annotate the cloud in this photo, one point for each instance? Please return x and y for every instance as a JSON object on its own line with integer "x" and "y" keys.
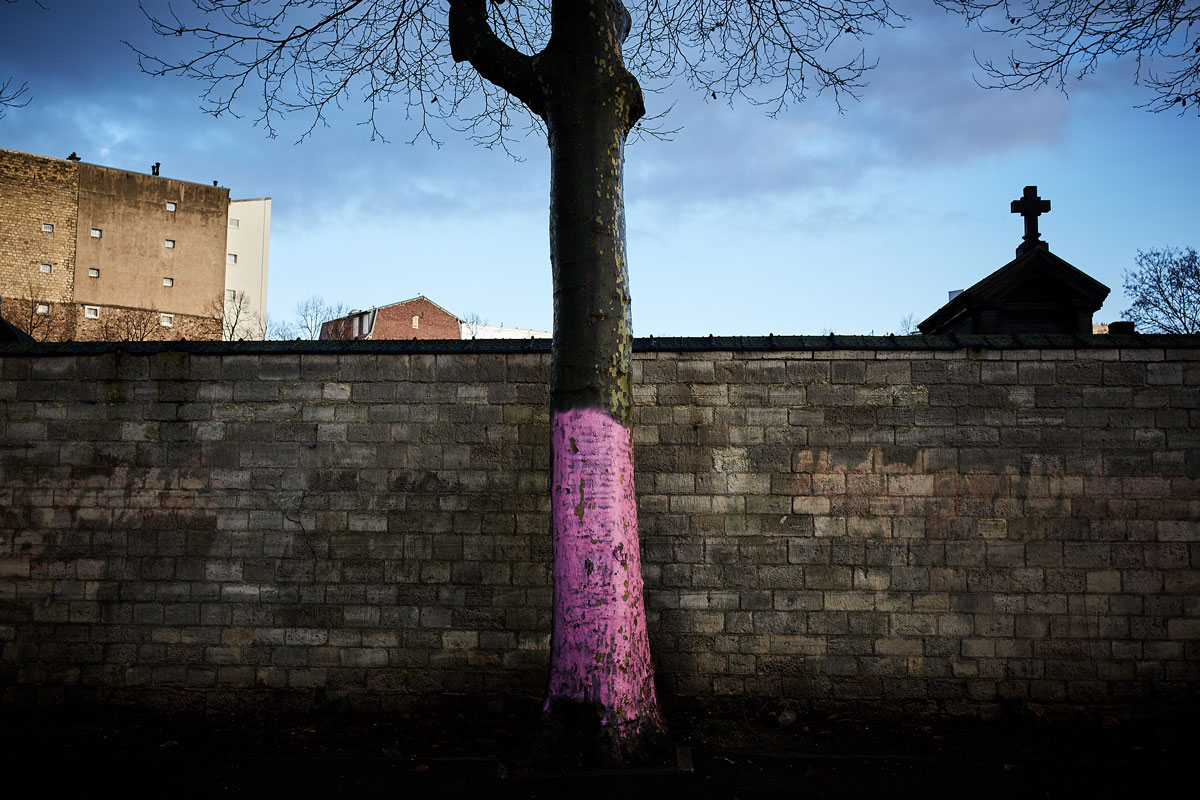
{"x": 923, "y": 108}
{"x": 926, "y": 104}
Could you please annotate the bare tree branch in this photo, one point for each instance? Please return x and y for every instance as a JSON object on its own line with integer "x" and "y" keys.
{"x": 237, "y": 318}
{"x": 473, "y": 40}
{"x": 274, "y": 330}
{"x": 471, "y": 324}
{"x": 13, "y": 96}
{"x": 772, "y": 53}
{"x": 1067, "y": 40}
{"x": 312, "y": 313}
{"x": 311, "y": 56}
{"x": 130, "y": 324}
{"x": 41, "y": 318}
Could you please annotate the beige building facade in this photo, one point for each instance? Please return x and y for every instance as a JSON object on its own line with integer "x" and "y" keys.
{"x": 247, "y": 256}
{"x": 91, "y": 253}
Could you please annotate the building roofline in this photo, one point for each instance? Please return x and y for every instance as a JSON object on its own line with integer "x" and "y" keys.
{"x": 400, "y": 303}
{"x": 113, "y": 169}
{"x": 994, "y": 282}
{"x": 11, "y": 333}
{"x": 247, "y": 199}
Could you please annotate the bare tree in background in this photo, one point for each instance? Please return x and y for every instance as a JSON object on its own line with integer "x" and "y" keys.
{"x": 274, "y": 330}
{"x": 237, "y": 318}
{"x": 1165, "y": 288}
{"x": 471, "y": 324}
{"x": 45, "y": 325}
{"x": 312, "y": 313}
{"x": 1067, "y": 40}
{"x": 130, "y": 324}
{"x": 575, "y": 69}
{"x": 24, "y": 313}
{"x": 44, "y": 320}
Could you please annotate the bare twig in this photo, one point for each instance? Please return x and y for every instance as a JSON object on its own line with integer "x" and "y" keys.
{"x": 313, "y": 56}
{"x": 1067, "y": 40}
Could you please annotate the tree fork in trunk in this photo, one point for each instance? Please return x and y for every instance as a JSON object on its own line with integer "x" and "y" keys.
{"x": 601, "y": 694}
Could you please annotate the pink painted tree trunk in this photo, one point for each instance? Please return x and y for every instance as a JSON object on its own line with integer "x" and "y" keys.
{"x": 599, "y": 651}
{"x": 600, "y": 667}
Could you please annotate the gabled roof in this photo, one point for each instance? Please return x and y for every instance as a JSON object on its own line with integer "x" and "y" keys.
{"x": 1036, "y": 268}
{"x": 10, "y": 333}
{"x": 411, "y": 299}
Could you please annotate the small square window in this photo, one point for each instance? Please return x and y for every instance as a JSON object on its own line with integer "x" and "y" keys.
{"x": 169, "y": 244}
{"x": 42, "y": 308}
{"x": 97, "y": 233}
{"x": 46, "y": 268}
{"x": 167, "y": 320}
{"x": 91, "y": 312}
{"x": 168, "y": 281}
{"x": 47, "y": 227}
{"x": 230, "y": 294}
{"x": 93, "y": 273}
{"x": 170, "y": 206}
{"x": 231, "y": 258}
{"x": 416, "y": 322}
{"x": 233, "y": 223}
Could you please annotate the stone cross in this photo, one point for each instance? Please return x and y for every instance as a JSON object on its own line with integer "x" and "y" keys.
{"x": 1030, "y": 206}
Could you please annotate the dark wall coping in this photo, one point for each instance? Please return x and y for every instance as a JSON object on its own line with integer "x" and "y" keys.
{"x": 651, "y": 344}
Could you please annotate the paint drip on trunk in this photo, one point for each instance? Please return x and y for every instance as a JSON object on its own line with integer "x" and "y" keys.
{"x": 600, "y": 654}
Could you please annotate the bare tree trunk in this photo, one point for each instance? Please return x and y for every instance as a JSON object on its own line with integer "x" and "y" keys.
{"x": 600, "y": 654}
{"x": 601, "y": 695}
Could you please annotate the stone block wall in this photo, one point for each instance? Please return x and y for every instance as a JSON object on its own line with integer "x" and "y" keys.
{"x": 909, "y": 525}
{"x": 950, "y": 530}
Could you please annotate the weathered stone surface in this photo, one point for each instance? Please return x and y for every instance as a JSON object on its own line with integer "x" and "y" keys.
{"x": 949, "y": 529}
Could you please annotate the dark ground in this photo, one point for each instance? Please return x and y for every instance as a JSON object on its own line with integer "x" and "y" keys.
{"x": 68, "y": 751}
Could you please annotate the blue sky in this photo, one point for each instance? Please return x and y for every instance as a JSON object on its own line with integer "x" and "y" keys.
{"x": 741, "y": 225}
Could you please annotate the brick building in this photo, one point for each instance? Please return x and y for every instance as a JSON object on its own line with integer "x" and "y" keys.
{"x": 417, "y": 318}
{"x": 94, "y": 253}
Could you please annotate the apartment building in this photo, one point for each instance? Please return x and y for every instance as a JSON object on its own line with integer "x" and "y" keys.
{"x": 91, "y": 253}
{"x": 247, "y": 246}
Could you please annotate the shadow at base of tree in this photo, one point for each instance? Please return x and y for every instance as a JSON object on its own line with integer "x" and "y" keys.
{"x": 451, "y": 752}
{"x": 570, "y": 738}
